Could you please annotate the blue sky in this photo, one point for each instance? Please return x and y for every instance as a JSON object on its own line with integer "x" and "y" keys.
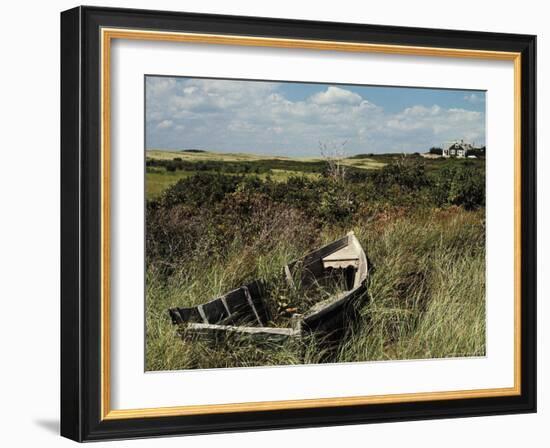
{"x": 292, "y": 119}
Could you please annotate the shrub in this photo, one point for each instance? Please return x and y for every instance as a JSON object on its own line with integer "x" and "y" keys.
{"x": 200, "y": 189}
{"x": 402, "y": 175}
{"x": 478, "y": 152}
{"x": 337, "y": 203}
{"x": 183, "y": 233}
{"x": 460, "y": 185}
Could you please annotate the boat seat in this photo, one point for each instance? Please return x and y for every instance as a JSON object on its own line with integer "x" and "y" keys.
{"x": 341, "y": 259}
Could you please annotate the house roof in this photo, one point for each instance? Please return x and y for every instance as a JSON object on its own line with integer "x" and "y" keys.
{"x": 459, "y": 144}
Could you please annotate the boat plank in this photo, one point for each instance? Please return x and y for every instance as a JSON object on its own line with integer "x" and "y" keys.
{"x": 213, "y": 331}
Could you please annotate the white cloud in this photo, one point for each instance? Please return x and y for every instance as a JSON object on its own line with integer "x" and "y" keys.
{"x": 165, "y": 124}
{"x": 473, "y": 98}
{"x": 258, "y": 117}
{"x": 336, "y": 95}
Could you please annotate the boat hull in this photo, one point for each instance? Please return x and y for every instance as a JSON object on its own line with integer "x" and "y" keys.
{"x": 243, "y": 311}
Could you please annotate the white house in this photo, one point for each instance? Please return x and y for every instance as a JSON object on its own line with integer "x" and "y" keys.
{"x": 458, "y": 149}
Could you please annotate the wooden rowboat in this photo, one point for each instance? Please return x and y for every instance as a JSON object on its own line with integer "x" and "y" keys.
{"x": 244, "y": 311}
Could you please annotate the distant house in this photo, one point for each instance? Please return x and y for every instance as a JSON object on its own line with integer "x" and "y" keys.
{"x": 458, "y": 148}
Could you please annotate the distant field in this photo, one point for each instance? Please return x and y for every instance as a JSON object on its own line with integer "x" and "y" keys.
{"x": 205, "y": 156}
{"x": 208, "y": 155}
{"x": 158, "y": 180}
{"x": 278, "y": 168}
{"x": 367, "y": 164}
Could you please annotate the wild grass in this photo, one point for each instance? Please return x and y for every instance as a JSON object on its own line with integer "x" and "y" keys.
{"x": 426, "y": 291}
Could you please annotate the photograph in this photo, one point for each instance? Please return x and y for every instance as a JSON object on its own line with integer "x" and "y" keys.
{"x": 291, "y": 223}
{"x": 281, "y": 223}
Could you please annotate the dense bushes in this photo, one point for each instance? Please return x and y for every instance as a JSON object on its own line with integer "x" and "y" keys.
{"x": 178, "y": 163}
{"x": 181, "y": 234}
{"x": 207, "y": 212}
{"x": 260, "y": 166}
{"x": 460, "y": 185}
{"x": 202, "y": 189}
{"x": 407, "y": 175}
{"x": 478, "y": 152}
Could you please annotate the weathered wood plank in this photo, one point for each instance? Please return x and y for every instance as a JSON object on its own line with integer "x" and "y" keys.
{"x": 214, "y": 311}
{"x": 216, "y": 332}
{"x": 331, "y": 316}
{"x": 257, "y": 290}
{"x": 181, "y": 315}
{"x": 251, "y": 304}
{"x": 288, "y": 276}
{"x": 236, "y": 301}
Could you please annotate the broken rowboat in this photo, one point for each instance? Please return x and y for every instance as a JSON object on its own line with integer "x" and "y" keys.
{"x": 245, "y": 311}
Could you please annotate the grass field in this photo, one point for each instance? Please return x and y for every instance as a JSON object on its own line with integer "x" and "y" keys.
{"x": 252, "y": 214}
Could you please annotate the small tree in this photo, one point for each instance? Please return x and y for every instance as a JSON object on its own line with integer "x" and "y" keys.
{"x": 334, "y": 155}
{"x": 337, "y": 200}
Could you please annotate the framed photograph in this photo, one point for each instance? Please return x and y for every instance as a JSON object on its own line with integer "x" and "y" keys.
{"x": 273, "y": 223}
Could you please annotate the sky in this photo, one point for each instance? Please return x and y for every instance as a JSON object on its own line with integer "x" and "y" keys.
{"x": 294, "y": 119}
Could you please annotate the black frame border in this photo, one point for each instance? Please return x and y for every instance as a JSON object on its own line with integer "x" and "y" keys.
{"x": 81, "y": 223}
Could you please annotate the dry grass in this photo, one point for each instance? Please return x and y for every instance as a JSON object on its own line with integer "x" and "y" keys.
{"x": 426, "y": 295}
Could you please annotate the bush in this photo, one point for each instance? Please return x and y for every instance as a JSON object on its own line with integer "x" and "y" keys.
{"x": 177, "y": 235}
{"x": 403, "y": 175}
{"x": 207, "y": 212}
{"x": 460, "y": 185}
{"x": 478, "y": 152}
{"x": 199, "y": 189}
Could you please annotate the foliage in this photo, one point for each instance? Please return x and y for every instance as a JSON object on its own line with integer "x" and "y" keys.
{"x": 460, "y": 185}
{"x": 404, "y": 175}
{"x": 478, "y": 152}
{"x": 200, "y": 189}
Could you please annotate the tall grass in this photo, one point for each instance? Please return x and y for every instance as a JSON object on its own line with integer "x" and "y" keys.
{"x": 426, "y": 291}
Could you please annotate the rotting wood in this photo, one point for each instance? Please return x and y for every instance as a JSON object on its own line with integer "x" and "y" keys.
{"x": 213, "y": 331}
{"x": 243, "y": 311}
